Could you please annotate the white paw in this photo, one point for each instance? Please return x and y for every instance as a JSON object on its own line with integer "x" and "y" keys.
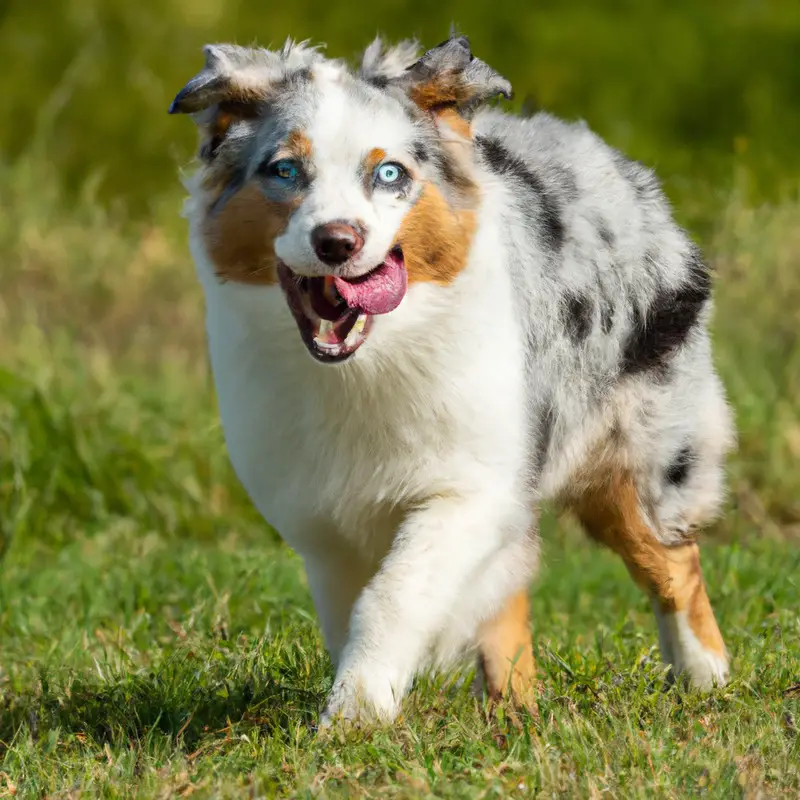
{"x": 361, "y": 699}
{"x": 699, "y": 666}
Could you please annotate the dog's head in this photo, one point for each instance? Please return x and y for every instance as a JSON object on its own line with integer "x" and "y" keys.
{"x": 341, "y": 186}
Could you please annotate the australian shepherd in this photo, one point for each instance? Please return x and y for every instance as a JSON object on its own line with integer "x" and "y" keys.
{"x": 426, "y": 317}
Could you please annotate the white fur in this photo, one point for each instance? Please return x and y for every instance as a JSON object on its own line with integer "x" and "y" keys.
{"x": 335, "y": 457}
{"x": 680, "y": 647}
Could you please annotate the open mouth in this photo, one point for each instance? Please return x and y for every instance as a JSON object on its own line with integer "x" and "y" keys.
{"x": 335, "y": 314}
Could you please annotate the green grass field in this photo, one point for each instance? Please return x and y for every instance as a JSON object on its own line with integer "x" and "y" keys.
{"x": 137, "y": 664}
{"x": 156, "y": 639}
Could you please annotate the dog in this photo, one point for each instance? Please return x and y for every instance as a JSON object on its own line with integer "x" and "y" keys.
{"x": 426, "y": 317}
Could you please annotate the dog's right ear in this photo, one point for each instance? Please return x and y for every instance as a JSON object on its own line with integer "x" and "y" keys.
{"x": 231, "y": 73}
{"x": 235, "y": 84}
{"x": 232, "y": 86}
{"x": 450, "y": 77}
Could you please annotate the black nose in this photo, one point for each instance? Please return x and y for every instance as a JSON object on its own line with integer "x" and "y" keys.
{"x": 336, "y": 242}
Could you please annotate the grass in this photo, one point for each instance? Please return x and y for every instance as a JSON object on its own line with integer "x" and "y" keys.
{"x": 156, "y": 639}
{"x": 139, "y": 665}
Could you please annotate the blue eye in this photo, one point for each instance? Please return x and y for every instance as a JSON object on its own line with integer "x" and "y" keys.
{"x": 389, "y": 173}
{"x": 285, "y": 169}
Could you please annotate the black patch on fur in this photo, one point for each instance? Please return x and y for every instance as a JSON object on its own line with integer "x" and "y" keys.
{"x": 209, "y": 149}
{"x": 451, "y": 172}
{"x": 578, "y": 313}
{"x": 678, "y": 471}
{"x": 643, "y": 180}
{"x": 607, "y": 316}
{"x": 504, "y": 163}
{"x": 605, "y": 233}
{"x": 420, "y": 152}
{"x": 544, "y": 436}
{"x": 378, "y": 81}
{"x": 668, "y": 321}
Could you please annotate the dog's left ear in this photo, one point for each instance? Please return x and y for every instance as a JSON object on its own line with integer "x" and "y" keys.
{"x": 450, "y": 77}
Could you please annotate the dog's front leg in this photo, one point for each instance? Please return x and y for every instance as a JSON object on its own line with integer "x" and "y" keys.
{"x": 434, "y": 557}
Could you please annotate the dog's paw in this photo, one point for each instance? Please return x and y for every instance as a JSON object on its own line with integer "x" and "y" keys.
{"x": 701, "y": 665}
{"x": 359, "y": 702}
{"x": 701, "y": 669}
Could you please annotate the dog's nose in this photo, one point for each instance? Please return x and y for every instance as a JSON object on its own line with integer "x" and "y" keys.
{"x": 336, "y": 242}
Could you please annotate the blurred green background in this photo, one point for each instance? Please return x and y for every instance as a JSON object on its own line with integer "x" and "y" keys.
{"x": 99, "y": 306}
{"x": 708, "y": 91}
{"x": 142, "y": 597}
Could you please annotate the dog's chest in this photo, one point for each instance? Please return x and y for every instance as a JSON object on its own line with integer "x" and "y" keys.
{"x": 309, "y": 462}
{"x": 344, "y": 447}
{"x": 436, "y": 406}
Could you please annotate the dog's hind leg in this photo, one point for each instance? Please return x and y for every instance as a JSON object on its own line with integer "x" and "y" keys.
{"x": 690, "y": 640}
{"x": 505, "y": 653}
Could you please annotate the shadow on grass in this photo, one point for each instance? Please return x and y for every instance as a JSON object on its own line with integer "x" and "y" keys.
{"x": 187, "y": 697}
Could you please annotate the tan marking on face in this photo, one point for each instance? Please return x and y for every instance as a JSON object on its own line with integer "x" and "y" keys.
{"x": 216, "y": 129}
{"x": 506, "y": 653}
{"x": 456, "y": 122}
{"x": 373, "y": 159}
{"x": 435, "y": 239}
{"x": 611, "y": 514}
{"x": 298, "y": 145}
{"x": 222, "y": 122}
{"x": 240, "y": 238}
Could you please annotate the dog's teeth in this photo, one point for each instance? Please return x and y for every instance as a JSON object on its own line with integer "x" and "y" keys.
{"x": 330, "y": 349}
{"x": 329, "y": 291}
{"x": 356, "y": 330}
{"x": 327, "y": 330}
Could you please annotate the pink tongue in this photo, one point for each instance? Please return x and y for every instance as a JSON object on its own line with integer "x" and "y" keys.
{"x": 378, "y": 292}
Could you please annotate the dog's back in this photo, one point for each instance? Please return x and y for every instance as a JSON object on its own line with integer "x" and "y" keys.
{"x": 614, "y": 299}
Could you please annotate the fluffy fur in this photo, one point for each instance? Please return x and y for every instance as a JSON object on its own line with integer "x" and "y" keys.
{"x": 552, "y": 345}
